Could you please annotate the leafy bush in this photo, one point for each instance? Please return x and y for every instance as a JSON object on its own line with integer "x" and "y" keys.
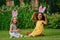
{"x": 24, "y": 15}
{"x": 53, "y": 21}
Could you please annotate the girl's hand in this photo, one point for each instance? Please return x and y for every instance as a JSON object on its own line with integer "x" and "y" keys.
{"x": 18, "y": 30}
{"x": 45, "y": 22}
{"x": 45, "y": 15}
{"x": 34, "y": 14}
{"x": 34, "y": 17}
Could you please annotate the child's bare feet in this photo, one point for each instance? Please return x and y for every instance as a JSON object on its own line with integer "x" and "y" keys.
{"x": 27, "y": 33}
{"x": 21, "y": 36}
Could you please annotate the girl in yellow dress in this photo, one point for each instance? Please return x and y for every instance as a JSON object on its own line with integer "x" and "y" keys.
{"x": 41, "y": 20}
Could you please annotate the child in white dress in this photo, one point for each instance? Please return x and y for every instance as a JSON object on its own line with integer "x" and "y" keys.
{"x": 14, "y": 32}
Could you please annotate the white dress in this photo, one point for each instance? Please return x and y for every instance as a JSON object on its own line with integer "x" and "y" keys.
{"x": 14, "y": 34}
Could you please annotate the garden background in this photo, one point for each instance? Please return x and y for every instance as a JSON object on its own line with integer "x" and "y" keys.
{"x": 25, "y": 10}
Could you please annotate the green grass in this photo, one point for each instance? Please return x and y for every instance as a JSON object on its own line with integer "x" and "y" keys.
{"x": 50, "y": 34}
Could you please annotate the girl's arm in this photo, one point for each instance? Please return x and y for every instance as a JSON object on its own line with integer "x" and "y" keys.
{"x": 34, "y": 17}
{"x": 11, "y": 29}
{"x": 45, "y": 22}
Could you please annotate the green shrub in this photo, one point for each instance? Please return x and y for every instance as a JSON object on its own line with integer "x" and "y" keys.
{"x": 54, "y": 20}
{"x": 24, "y": 18}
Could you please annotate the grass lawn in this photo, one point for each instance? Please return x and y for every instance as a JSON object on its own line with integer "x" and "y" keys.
{"x": 50, "y": 34}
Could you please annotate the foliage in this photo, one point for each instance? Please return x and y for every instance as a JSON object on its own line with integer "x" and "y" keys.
{"x": 2, "y": 2}
{"x": 24, "y": 18}
{"x": 54, "y": 21}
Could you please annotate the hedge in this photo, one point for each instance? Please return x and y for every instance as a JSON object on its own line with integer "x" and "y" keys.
{"x": 24, "y": 18}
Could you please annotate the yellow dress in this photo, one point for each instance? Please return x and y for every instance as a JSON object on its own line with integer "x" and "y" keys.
{"x": 38, "y": 29}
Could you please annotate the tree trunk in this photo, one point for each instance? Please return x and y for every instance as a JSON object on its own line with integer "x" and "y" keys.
{"x": 34, "y": 4}
{"x": 9, "y": 2}
{"x": 21, "y": 3}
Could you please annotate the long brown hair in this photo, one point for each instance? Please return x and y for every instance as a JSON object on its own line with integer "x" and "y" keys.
{"x": 43, "y": 18}
{"x": 13, "y": 19}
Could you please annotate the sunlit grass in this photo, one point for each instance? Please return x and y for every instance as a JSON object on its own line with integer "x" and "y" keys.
{"x": 50, "y": 34}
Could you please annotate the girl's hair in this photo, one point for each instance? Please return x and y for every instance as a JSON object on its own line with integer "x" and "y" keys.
{"x": 43, "y": 18}
{"x": 13, "y": 19}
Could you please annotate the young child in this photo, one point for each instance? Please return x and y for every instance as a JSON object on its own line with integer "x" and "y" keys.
{"x": 40, "y": 20}
{"x": 14, "y": 32}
